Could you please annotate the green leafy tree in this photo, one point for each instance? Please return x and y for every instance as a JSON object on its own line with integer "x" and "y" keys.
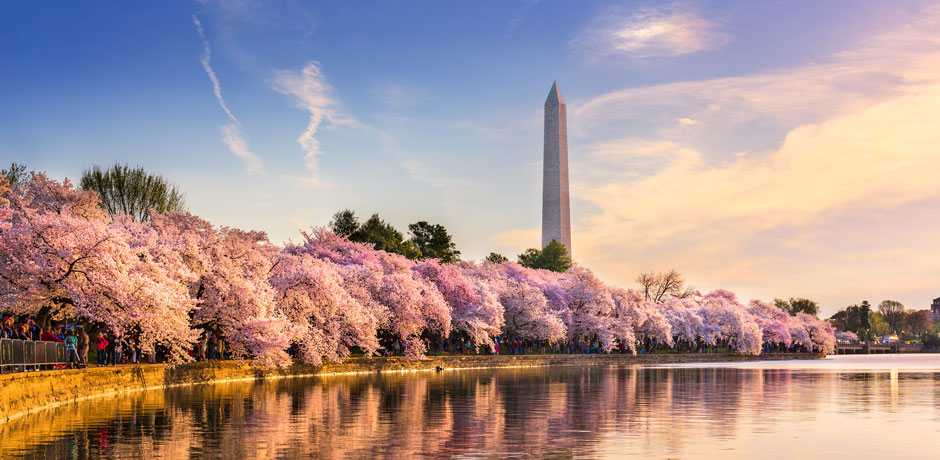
{"x": 893, "y": 313}
{"x": 529, "y": 258}
{"x": 838, "y": 320}
{"x": 553, "y": 257}
{"x": 132, "y": 191}
{"x": 344, "y": 223}
{"x": 865, "y": 313}
{"x": 434, "y": 242}
{"x": 496, "y": 258}
{"x": 879, "y": 327}
{"x": 852, "y": 319}
{"x": 16, "y": 176}
{"x": 385, "y": 238}
{"x": 797, "y": 305}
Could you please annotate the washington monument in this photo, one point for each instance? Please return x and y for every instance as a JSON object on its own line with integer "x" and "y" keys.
{"x": 556, "y": 210}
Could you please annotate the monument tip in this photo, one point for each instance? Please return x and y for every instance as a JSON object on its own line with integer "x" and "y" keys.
{"x": 554, "y": 95}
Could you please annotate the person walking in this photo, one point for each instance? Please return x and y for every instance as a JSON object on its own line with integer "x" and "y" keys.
{"x": 118, "y": 351}
{"x": 71, "y": 349}
{"x": 83, "y": 346}
{"x": 212, "y": 343}
{"x": 102, "y": 345}
{"x": 110, "y": 351}
{"x": 201, "y": 347}
{"x": 132, "y": 347}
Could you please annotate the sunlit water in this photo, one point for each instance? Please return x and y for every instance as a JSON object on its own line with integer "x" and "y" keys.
{"x": 855, "y": 407}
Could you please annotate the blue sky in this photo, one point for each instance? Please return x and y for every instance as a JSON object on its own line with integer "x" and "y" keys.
{"x": 712, "y": 137}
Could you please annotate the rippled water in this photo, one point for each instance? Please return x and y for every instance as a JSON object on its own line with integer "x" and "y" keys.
{"x": 842, "y": 407}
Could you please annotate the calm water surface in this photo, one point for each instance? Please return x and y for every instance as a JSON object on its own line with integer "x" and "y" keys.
{"x": 842, "y": 407}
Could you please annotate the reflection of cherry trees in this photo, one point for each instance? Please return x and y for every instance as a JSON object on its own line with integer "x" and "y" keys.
{"x": 547, "y": 412}
{"x": 178, "y": 276}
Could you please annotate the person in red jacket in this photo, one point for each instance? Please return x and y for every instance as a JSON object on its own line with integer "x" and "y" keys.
{"x": 102, "y": 345}
{"x": 48, "y": 336}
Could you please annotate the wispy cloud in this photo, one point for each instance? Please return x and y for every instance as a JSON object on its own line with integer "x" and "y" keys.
{"x": 518, "y": 16}
{"x": 311, "y": 92}
{"x": 502, "y": 126}
{"x": 394, "y": 94}
{"x": 421, "y": 172}
{"x": 426, "y": 167}
{"x": 232, "y": 136}
{"x": 231, "y": 133}
{"x": 206, "y": 60}
{"x": 660, "y": 31}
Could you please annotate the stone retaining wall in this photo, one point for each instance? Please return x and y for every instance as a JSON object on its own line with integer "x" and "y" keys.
{"x": 23, "y": 393}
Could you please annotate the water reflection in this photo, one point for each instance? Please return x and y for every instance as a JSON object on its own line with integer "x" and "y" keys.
{"x": 593, "y": 412}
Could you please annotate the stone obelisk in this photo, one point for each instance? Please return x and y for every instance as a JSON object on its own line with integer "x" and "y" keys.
{"x": 556, "y": 210}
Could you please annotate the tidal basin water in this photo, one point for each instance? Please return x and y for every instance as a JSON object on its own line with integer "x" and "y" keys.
{"x": 885, "y": 406}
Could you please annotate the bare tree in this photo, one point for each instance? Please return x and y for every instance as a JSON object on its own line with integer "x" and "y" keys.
{"x": 132, "y": 191}
{"x": 918, "y": 321}
{"x": 893, "y": 313}
{"x": 658, "y": 286}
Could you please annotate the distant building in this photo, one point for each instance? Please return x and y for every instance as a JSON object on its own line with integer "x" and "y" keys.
{"x": 935, "y": 309}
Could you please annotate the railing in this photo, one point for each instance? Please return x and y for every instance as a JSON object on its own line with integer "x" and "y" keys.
{"x": 857, "y": 347}
{"x": 29, "y": 355}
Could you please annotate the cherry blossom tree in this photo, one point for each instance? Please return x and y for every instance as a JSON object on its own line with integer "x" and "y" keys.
{"x": 226, "y": 271}
{"x": 475, "y": 310}
{"x": 685, "y": 321}
{"x": 846, "y": 336}
{"x": 311, "y": 294}
{"x": 799, "y": 332}
{"x": 726, "y": 318}
{"x": 821, "y": 333}
{"x": 591, "y": 309}
{"x": 774, "y": 322}
{"x": 410, "y": 304}
{"x": 60, "y": 257}
{"x": 644, "y": 317}
{"x": 525, "y": 309}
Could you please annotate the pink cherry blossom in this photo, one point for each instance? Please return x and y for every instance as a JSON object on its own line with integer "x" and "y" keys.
{"x": 311, "y": 295}
{"x": 475, "y": 310}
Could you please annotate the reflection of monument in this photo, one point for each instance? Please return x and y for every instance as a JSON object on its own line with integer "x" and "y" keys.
{"x": 556, "y": 210}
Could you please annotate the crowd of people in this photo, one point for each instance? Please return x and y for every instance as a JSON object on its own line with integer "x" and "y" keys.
{"x": 107, "y": 349}
{"x": 110, "y": 349}
{"x": 26, "y": 330}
